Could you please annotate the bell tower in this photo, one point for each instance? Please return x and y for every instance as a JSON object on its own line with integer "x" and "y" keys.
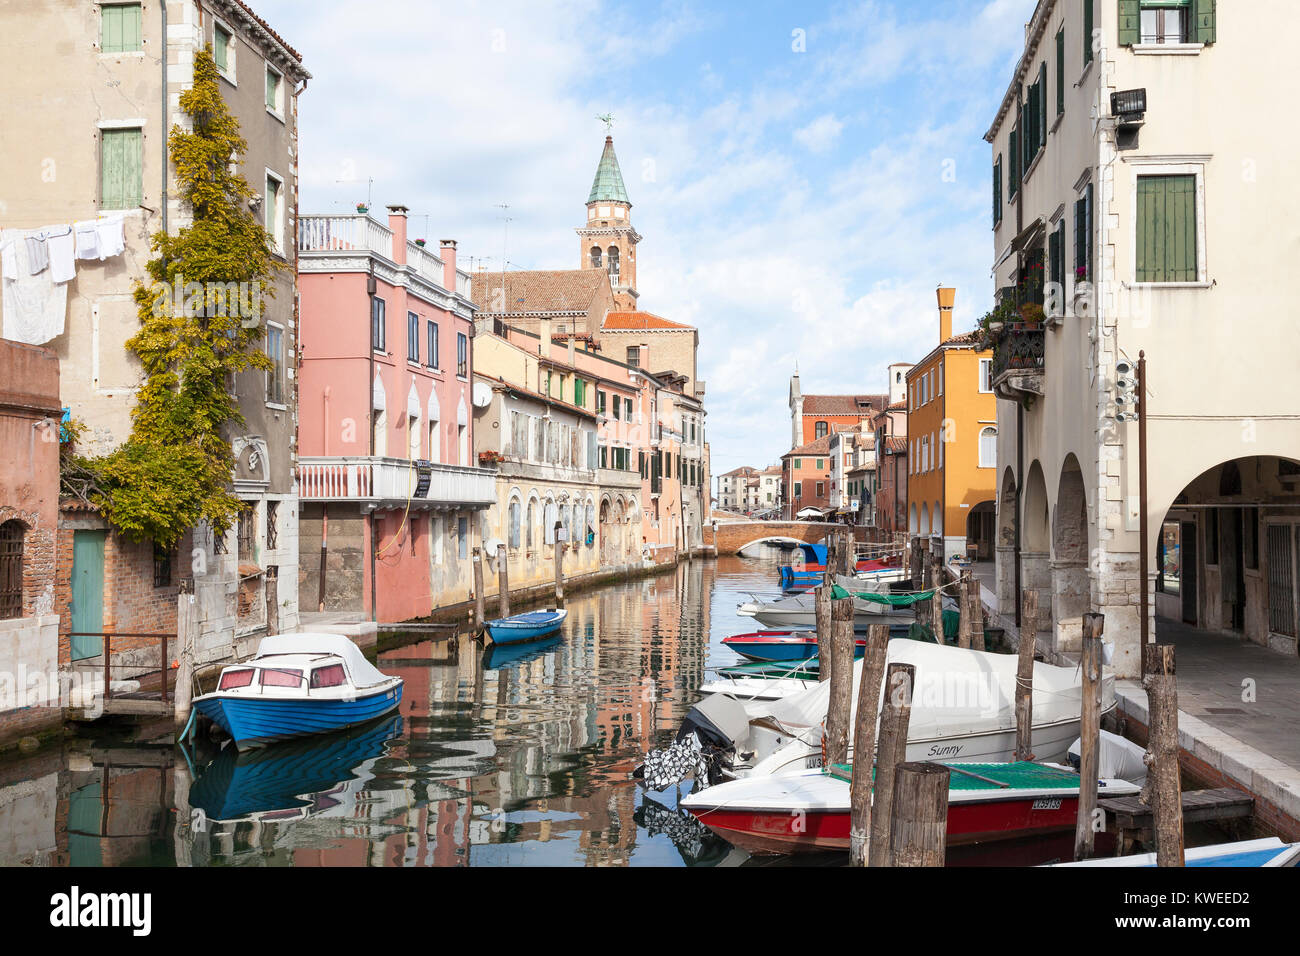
{"x": 608, "y": 240}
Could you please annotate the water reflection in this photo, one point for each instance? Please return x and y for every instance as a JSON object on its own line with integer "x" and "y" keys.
{"x": 516, "y": 755}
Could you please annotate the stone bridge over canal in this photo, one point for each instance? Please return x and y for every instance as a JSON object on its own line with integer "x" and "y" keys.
{"x": 736, "y": 533}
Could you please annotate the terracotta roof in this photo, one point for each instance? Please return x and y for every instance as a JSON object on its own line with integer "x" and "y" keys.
{"x": 267, "y": 27}
{"x": 627, "y": 321}
{"x": 821, "y": 446}
{"x": 500, "y": 384}
{"x": 742, "y": 470}
{"x": 896, "y": 446}
{"x": 548, "y": 290}
{"x": 842, "y": 404}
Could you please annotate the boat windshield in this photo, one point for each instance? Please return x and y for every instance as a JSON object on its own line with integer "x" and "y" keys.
{"x": 281, "y": 677}
{"x": 233, "y": 678}
{"x": 331, "y": 675}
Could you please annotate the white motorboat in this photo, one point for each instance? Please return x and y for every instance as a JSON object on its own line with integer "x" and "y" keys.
{"x": 800, "y": 610}
{"x": 963, "y": 709}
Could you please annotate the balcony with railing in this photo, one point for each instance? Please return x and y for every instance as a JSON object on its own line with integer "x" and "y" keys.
{"x": 362, "y": 233}
{"x": 1018, "y": 354}
{"x": 378, "y": 482}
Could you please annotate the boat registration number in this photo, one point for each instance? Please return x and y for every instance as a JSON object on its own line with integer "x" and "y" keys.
{"x": 1047, "y": 803}
{"x": 813, "y": 762}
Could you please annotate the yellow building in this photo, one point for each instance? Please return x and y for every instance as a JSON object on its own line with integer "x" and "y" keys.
{"x": 952, "y": 433}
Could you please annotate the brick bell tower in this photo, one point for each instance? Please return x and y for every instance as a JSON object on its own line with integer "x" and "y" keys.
{"x": 608, "y": 240}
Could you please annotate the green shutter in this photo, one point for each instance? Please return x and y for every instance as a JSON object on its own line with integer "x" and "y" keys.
{"x": 1042, "y": 104}
{"x": 1166, "y": 232}
{"x": 122, "y": 179}
{"x": 1204, "y": 12}
{"x": 1129, "y": 22}
{"x": 111, "y": 29}
{"x": 1080, "y": 239}
{"x": 1060, "y": 72}
{"x": 272, "y": 84}
{"x": 1087, "y": 31}
{"x": 1013, "y": 154}
{"x": 997, "y": 191}
{"x": 120, "y": 28}
{"x": 220, "y": 48}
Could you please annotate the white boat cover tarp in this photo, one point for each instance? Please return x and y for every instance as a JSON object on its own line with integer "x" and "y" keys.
{"x": 956, "y": 692}
{"x": 364, "y": 673}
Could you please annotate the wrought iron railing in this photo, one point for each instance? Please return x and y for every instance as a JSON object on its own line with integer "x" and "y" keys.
{"x": 1018, "y": 348}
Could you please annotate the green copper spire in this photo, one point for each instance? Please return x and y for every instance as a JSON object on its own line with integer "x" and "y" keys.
{"x": 608, "y": 184}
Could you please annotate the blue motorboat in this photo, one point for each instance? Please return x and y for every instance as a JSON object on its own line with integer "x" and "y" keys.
{"x": 1264, "y": 852}
{"x": 496, "y": 656}
{"x": 297, "y": 685}
{"x": 528, "y": 626}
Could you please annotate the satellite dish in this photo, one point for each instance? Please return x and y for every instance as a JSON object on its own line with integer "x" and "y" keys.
{"x": 482, "y": 396}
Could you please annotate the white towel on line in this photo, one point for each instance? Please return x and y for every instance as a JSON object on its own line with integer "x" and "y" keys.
{"x": 35, "y": 306}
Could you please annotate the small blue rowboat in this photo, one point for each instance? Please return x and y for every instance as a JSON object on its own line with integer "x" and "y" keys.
{"x": 296, "y": 685}
{"x": 1263, "y": 852}
{"x": 525, "y": 627}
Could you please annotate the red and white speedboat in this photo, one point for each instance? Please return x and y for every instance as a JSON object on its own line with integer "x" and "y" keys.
{"x": 809, "y": 810}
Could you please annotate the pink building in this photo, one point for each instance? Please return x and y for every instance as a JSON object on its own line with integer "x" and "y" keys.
{"x": 389, "y": 494}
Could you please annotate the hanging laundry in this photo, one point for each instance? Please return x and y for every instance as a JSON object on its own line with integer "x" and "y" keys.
{"x": 37, "y": 255}
{"x": 111, "y": 241}
{"x": 87, "y": 240}
{"x": 35, "y": 307}
{"x": 59, "y": 243}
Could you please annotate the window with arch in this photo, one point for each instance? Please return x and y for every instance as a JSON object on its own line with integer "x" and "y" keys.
{"x": 988, "y": 447}
{"x": 548, "y": 526}
{"x": 820, "y": 430}
{"x": 595, "y": 257}
{"x": 515, "y": 515}
{"x": 11, "y": 569}
{"x": 613, "y": 261}
{"x": 591, "y": 523}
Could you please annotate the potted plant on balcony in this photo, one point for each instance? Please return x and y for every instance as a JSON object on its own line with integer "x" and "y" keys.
{"x": 489, "y": 457}
{"x": 420, "y": 243}
{"x": 1032, "y": 314}
{"x": 362, "y": 208}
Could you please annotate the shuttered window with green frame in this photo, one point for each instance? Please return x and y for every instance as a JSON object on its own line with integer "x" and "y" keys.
{"x": 1013, "y": 152}
{"x": 1087, "y": 31}
{"x": 120, "y": 28}
{"x": 121, "y": 172}
{"x": 1060, "y": 71}
{"x": 1166, "y": 229}
{"x": 1201, "y": 26}
{"x": 997, "y": 190}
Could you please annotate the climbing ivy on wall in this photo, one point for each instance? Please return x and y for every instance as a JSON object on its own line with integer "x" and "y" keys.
{"x": 200, "y": 326}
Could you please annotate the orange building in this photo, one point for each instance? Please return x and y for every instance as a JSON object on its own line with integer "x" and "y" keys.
{"x": 952, "y": 432}
{"x": 816, "y": 416}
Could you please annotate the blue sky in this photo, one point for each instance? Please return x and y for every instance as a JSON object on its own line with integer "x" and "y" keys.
{"x": 797, "y": 205}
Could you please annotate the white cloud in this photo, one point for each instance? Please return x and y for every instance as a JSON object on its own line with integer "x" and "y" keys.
{"x": 821, "y": 134}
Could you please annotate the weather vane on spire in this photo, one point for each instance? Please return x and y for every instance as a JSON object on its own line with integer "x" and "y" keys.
{"x": 608, "y": 120}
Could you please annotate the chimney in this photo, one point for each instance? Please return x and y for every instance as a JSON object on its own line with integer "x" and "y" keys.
{"x": 397, "y": 223}
{"x": 946, "y": 297}
{"x": 544, "y": 330}
{"x": 448, "y": 249}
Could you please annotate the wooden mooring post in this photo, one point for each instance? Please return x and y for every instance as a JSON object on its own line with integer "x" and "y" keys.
{"x": 1163, "y": 790}
{"x": 822, "y": 611}
{"x": 965, "y": 629}
{"x": 914, "y": 563}
{"x": 895, "y": 717}
{"x": 864, "y": 744}
{"x": 923, "y": 560}
{"x": 503, "y": 580}
{"x": 919, "y": 825}
{"x": 1025, "y": 676}
{"x": 843, "y": 645}
{"x": 480, "y": 599}
{"x": 976, "y": 614}
{"x": 559, "y": 566}
{"x": 187, "y": 633}
{"x": 1085, "y": 833}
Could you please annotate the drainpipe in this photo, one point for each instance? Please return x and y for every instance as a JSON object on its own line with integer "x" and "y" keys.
{"x": 1020, "y": 408}
{"x": 374, "y": 591}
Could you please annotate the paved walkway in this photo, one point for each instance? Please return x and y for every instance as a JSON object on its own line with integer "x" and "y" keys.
{"x": 1215, "y": 671}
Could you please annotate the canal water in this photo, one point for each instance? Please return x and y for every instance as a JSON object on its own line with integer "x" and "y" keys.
{"x": 497, "y": 757}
